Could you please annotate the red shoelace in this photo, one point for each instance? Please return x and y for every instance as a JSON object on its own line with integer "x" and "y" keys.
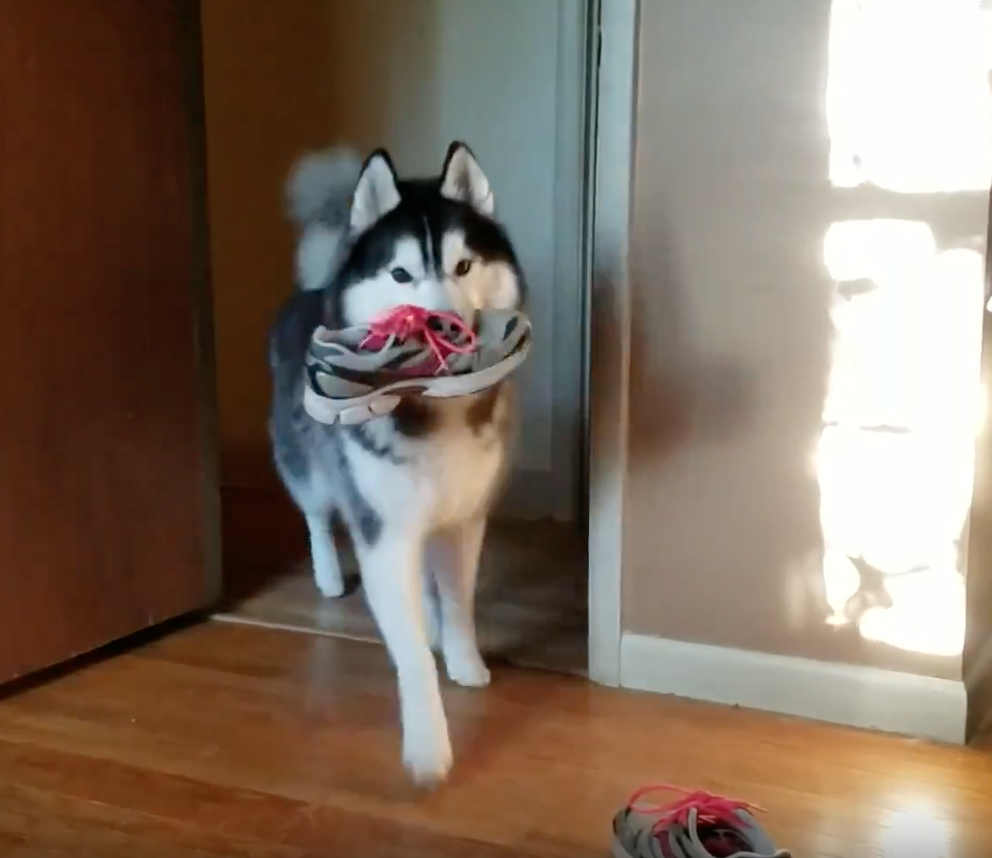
{"x": 710, "y": 808}
{"x": 408, "y": 322}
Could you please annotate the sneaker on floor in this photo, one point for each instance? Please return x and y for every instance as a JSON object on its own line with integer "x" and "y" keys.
{"x": 697, "y": 825}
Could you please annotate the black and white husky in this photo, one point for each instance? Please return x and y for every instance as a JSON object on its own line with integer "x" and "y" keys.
{"x": 415, "y": 487}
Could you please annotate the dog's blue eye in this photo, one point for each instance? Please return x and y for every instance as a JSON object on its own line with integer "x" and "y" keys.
{"x": 401, "y": 275}
{"x": 463, "y": 267}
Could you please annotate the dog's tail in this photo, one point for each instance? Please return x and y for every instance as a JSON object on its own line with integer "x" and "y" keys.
{"x": 318, "y": 197}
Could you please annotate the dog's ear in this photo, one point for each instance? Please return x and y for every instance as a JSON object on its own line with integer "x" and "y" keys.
{"x": 376, "y": 193}
{"x": 462, "y": 179}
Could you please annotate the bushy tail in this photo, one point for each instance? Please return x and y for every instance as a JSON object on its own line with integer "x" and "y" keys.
{"x": 318, "y": 194}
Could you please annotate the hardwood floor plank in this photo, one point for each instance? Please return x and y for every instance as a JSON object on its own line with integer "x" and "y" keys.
{"x": 531, "y": 604}
{"x": 45, "y": 821}
{"x": 228, "y": 740}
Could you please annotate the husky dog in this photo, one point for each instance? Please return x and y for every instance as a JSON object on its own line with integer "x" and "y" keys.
{"x": 415, "y": 487}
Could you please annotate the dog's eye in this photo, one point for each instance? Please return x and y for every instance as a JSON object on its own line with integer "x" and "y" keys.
{"x": 401, "y": 275}
{"x": 463, "y": 267}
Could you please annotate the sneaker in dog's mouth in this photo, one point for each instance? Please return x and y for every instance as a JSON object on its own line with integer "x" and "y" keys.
{"x": 438, "y": 336}
{"x": 358, "y": 373}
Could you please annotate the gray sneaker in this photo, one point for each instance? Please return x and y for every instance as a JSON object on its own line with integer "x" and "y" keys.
{"x": 356, "y": 374}
{"x": 699, "y": 825}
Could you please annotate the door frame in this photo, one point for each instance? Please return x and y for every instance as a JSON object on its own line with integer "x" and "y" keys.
{"x": 612, "y": 97}
{"x": 559, "y": 491}
{"x": 565, "y": 496}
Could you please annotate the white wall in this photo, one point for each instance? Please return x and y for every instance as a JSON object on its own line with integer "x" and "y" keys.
{"x": 772, "y": 295}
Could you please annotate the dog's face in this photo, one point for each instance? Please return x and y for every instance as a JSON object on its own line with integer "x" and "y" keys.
{"x": 430, "y": 243}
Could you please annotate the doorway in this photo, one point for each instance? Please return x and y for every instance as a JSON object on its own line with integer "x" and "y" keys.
{"x": 513, "y": 80}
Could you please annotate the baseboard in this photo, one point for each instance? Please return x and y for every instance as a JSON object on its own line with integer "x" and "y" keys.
{"x": 908, "y": 704}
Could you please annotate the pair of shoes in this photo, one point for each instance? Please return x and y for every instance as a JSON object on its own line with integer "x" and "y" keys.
{"x": 358, "y": 373}
{"x": 697, "y": 825}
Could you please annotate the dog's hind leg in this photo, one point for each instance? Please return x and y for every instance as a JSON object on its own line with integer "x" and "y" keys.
{"x": 432, "y": 610}
{"x": 327, "y": 573}
{"x": 314, "y": 497}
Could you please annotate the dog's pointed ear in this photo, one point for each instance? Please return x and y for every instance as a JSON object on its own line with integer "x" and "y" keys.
{"x": 376, "y": 193}
{"x": 462, "y": 179}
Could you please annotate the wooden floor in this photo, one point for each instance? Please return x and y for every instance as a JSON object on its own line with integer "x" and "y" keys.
{"x": 229, "y": 740}
{"x": 530, "y": 607}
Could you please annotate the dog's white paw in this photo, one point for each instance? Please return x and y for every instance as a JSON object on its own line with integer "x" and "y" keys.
{"x": 466, "y": 667}
{"x": 427, "y": 754}
{"x": 330, "y": 587}
{"x": 329, "y": 580}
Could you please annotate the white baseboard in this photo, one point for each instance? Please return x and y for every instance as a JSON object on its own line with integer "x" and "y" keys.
{"x": 904, "y": 703}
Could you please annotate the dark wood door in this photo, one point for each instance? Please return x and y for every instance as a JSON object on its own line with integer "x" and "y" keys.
{"x": 108, "y": 514}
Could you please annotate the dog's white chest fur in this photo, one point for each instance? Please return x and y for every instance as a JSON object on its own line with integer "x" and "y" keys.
{"x": 448, "y": 477}
{"x": 459, "y": 475}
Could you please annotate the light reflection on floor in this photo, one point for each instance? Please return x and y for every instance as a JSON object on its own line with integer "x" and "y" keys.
{"x": 916, "y": 828}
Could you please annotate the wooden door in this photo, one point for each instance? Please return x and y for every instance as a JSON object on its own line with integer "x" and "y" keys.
{"x": 108, "y": 514}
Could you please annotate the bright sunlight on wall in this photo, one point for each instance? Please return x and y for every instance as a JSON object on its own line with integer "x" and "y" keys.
{"x": 908, "y": 95}
{"x": 909, "y": 111}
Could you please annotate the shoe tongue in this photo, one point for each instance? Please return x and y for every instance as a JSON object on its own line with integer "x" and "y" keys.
{"x": 376, "y": 342}
{"x": 721, "y": 840}
{"x": 669, "y": 844}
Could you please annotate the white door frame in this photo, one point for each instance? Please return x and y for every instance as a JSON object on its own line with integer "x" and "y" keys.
{"x": 571, "y": 260}
{"x": 612, "y": 98}
{"x": 559, "y": 492}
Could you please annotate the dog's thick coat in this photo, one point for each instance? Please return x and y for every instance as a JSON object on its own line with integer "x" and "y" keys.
{"x": 415, "y": 487}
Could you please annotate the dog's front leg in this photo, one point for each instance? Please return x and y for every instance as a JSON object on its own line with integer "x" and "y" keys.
{"x": 454, "y": 560}
{"x": 392, "y": 571}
